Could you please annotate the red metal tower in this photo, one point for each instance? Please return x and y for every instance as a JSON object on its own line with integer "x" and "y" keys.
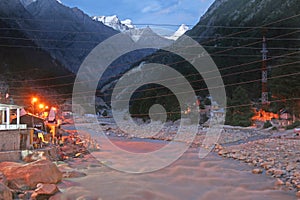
{"x": 264, "y": 80}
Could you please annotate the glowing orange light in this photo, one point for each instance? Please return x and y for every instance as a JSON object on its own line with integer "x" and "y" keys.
{"x": 41, "y": 106}
{"x": 264, "y": 116}
{"x": 46, "y": 107}
{"x": 34, "y": 100}
{"x": 53, "y": 108}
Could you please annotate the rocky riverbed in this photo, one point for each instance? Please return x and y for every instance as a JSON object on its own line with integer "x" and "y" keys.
{"x": 275, "y": 157}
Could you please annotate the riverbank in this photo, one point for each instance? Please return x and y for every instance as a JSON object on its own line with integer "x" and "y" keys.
{"x": 275, "y": 157}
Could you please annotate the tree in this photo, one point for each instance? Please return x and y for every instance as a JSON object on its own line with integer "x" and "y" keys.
{"x": 240, "y": 110}
{"x": 285, "y": 86}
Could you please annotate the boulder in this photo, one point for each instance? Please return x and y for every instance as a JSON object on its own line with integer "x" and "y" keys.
{"x": 5, "y": 192}
{"x": 44, "y": 191}
{"x": 73, "y": 174}
{"x": 27, "y": 176}
{"x": 257, "y": 171}
{"x": 279, "y": 182}
{"x": 3, "y": 179}
{"x": 279, "y": 172}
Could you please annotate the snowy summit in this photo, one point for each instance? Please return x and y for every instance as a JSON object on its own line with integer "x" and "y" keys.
{"x": 115, "y": 23}
{"x": 182, "y": 30}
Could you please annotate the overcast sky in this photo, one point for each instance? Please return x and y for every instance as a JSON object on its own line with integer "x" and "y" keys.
{"x": 175, "y": 12}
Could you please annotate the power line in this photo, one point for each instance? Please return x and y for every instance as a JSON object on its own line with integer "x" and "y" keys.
{"x": 237, "y": 32}
{"x": 281, "y": 20}
{"x": 156, "y": 55}
{"x": 91, "y": 80}
{"x": 226, "y": 107}
{"x": 120, "y": 75}
{"x": 162, "y": 24}
{"x": 197, "y": 90}
{"x": 95, "y": 43}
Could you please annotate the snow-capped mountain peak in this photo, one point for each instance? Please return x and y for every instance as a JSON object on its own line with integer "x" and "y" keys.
{"x": 128, "y": 23}
{"x": 115, "y": 23}
{"x": 181, "y": 30}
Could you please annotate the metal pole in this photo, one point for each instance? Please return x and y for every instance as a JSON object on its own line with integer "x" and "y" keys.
{"x": 264, "y": 97}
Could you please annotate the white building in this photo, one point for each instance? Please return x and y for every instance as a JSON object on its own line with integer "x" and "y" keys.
{"x": 7, "y": 113}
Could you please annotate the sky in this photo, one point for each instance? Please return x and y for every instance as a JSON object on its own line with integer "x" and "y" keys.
{"x": 174, "y": 12}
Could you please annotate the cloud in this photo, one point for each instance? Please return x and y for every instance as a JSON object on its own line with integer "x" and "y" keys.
{"x": 174, "y": 7}
{"x": 154, "y": 6}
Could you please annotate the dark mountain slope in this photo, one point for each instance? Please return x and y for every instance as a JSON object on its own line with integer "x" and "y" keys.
{"x": 22, "y": 60}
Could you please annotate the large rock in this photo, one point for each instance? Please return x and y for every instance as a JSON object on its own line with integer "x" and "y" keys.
{"x": 44, "y": 191}
{"x": 27, "y": 176}
{"x": 5, "y": 192}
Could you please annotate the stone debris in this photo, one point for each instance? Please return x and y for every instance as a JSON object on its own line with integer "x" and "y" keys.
{"x": 257, "y": 171}
{"x": 277, "y": 157}
{"x": 73, "y": 174}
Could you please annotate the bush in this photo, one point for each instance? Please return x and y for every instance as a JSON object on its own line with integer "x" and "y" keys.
{"x": 294, "y": 125}
{"x": 267, "y": 124}
{"x": 104, "y": 114}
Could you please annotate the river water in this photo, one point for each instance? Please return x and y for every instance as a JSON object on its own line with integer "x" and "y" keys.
{"x": 188, "y": 178}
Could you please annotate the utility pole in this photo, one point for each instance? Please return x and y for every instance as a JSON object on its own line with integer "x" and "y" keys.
{"x": 265, "y": 93}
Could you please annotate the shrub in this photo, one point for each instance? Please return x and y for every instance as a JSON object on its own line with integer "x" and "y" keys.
{"x": 267, "y": 124}
{"x": 294, "y": 125}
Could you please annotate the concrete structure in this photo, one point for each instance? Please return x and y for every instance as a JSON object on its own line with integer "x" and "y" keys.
{"x": 6, "y": 116}
{"x": 11, "y": 140}
{"x": 13, "y": 136}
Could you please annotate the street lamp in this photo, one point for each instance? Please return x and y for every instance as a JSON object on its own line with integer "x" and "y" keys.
{"x": 33, "y": 101}
{"x": 41, "y": 106}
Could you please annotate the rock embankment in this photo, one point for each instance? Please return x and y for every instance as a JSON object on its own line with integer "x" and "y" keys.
{"x": 279, "y": 158}
{"x": 37, "y": 177}
{"x": 29, "y": 181}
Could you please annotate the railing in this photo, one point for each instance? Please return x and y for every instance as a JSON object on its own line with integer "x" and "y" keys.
{"x": 4, "y": 127}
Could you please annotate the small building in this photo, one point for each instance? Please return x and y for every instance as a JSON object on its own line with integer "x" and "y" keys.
{"x": 13, "y": 134}
{"x": 7, "y": 113}
{"x": 32, "y": 121}
{"x": 285, "y": 119}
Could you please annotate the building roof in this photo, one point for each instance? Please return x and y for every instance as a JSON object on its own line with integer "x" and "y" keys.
{"x": 4, "y": 106}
